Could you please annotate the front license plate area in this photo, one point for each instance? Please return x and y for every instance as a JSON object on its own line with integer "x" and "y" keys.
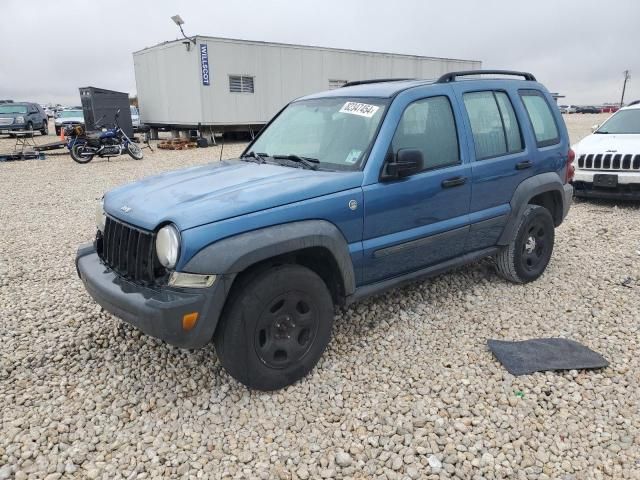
{"x": 605, "y": 180}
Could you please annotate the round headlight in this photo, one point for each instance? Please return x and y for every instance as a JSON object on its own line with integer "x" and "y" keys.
{"x": 168, "y": 246}
{"x": 101, "y": 218}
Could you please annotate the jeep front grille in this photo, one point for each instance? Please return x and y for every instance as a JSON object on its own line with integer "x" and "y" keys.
{"x": 129, "y": 251}
{"x": 6, "y": 121}
{"x": 608, "y": 161}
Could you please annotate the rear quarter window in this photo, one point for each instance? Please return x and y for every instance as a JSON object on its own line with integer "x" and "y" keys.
{"x": 542, "y": 120}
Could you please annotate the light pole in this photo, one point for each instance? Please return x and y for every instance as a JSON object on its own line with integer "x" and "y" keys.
{"x": 624, "y": 86}
{"x": 177, "y": 19}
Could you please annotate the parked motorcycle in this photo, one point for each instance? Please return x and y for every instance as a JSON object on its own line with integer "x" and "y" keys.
{"x": 106, "y": 142}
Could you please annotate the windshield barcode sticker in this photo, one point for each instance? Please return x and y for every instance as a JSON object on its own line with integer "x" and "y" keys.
{"x": 362, "y": 109}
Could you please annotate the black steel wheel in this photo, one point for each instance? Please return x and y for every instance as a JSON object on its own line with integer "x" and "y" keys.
{"x": 275, "y": 327}
{"x": 286, "y": 329}
{"x": 535, "y": 246}
{"x": 528, "y": 255}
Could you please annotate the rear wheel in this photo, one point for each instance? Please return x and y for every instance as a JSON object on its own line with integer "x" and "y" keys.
{"x": 528, "y": 255}
{"x": 275, "y": 327}
{"x": 134, "y": 151}
{"x": 81, "y": 153}
{"x": 45, "y": 127}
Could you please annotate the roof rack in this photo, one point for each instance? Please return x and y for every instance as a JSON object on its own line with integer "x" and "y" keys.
{"x": 375, "y": 80}
{"x": 451, "y": 76}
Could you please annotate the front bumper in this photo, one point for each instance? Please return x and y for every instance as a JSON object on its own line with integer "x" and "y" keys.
{"x": 14, "y": 127}
{"x": 58, "y": 126}
{"x": 628, "y": 185}
{"x": 156, "y": 311}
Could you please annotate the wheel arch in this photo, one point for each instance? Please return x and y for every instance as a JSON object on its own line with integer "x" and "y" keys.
{"x": 552, "y": 201}
{"x": 545, "y": 190}
{"x": 316, "y": 244}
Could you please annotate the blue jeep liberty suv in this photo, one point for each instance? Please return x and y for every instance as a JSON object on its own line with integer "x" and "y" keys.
{"x": 344, "y": 194}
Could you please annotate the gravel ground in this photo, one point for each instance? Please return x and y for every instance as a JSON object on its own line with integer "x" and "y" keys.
{"x": 406, "y": 390}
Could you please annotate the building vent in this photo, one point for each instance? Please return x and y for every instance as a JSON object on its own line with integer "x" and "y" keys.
{"x": 240, "y": 84}
{"x": 336, "y": 84}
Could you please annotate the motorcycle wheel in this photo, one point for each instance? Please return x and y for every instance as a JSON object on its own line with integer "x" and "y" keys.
{"x": 76, "y": 152}
{"x": 135, "y": 151}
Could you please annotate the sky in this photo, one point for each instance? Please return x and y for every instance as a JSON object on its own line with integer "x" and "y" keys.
{"x": 579, "y": 48}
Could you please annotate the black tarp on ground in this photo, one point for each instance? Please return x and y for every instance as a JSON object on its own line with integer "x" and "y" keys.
{"x": 540, "y": 354}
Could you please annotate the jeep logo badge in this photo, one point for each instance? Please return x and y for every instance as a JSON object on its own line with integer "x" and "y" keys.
{"x": 353, "y": 204}
{"x": 125, "y": 209}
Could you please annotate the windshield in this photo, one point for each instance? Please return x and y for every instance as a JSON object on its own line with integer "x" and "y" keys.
{"x": 13, "y": 108}
{"x": 71, "y": 113}
{"x": 335, "y": 131}
{"x": 624, "y": 121}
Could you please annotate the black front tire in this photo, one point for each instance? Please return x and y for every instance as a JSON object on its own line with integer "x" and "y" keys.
{"x": 275, "y": 327}
{"x": 528, "y": 255}
{"x": 134, "y": 151}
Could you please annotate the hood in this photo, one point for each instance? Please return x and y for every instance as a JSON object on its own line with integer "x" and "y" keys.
{"x": 608, "y": 143}
{"x": 200, "y": 195}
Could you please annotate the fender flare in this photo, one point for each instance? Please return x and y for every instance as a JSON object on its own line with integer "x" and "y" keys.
{"x": 234, "y": 254}
{"x": 529, "y": 188}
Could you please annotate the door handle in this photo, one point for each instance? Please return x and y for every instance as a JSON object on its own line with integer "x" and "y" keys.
{"x": 454, "y": 182}
{"x": 524, "y": 164}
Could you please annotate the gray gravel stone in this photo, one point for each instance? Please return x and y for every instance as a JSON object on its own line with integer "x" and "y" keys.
{"x": 434, "y": 463}
{"x": 343, "y": 459}
{"x": 5, "y": 472}
{"x": 407, "y": 381}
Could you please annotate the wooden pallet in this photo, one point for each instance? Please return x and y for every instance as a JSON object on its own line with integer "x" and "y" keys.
{"x": 177, "y": 144}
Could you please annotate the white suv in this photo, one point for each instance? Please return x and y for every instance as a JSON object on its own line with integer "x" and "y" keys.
{"x": 608, "y": 161}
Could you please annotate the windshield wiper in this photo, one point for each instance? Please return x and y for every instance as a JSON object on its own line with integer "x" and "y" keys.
{"x": 601, "y": 131}
{"x": 258, "y": 157}
{"x": 307, "y": 162}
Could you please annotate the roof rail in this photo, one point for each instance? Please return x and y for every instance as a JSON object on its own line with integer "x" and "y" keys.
{"x": 375, "y": 80}
{"x": 451, "y": 76}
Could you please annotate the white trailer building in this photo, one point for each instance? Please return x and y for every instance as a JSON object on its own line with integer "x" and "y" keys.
{"x": 222, "y": 84}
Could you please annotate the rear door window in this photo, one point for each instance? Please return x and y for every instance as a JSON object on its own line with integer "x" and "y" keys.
{"x": 511, "y": 127}
{"x": 544, "y": 125}
{"x": 493, "y": 123}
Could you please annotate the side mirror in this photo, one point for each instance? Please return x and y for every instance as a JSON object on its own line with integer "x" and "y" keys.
{"x": 408, "y": 161}
{"x": 594, "y": 127}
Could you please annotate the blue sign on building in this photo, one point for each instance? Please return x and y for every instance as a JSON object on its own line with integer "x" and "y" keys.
{"x": 204, "y": 64}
